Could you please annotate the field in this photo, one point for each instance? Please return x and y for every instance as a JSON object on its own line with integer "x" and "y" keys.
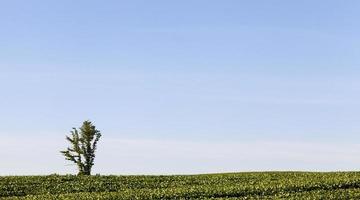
{"x": 254, "y": 185}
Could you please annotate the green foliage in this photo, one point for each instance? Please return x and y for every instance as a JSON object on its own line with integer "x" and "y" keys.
{"x": 268, "y": 185}
{"x": 83, "y": 146}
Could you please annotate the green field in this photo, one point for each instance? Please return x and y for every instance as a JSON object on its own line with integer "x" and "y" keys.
{"x": 255, "y": 185}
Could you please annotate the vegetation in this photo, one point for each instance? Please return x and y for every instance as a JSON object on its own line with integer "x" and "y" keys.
{"x": 266, "y": 185}
{"x": 83, "y": 147}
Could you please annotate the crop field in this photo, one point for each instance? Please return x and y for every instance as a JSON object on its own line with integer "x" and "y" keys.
{"x": 254, "y": 185}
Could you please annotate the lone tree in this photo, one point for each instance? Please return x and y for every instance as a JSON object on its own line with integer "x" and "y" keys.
{"x": 83, "y": 146}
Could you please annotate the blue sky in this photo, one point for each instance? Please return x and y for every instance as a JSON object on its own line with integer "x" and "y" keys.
{"x": 201, "y": 73}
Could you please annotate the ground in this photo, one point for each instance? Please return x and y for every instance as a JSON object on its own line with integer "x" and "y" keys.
{"x": 254, "y": 185}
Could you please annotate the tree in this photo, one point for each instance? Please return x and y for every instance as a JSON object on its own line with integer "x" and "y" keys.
{"x": 83, "y": 146}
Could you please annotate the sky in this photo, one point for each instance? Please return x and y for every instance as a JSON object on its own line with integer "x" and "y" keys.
{"x": 181, "y": 87}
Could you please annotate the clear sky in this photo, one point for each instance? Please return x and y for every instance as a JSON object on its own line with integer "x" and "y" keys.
{"x": 181, "y": 86}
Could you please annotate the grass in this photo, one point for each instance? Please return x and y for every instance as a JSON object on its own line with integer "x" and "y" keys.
{"x": 254, "y": 185}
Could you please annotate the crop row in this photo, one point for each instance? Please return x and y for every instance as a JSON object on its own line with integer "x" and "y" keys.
{"x": 220, "y": 186}
{"x": 168, "y": 194}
